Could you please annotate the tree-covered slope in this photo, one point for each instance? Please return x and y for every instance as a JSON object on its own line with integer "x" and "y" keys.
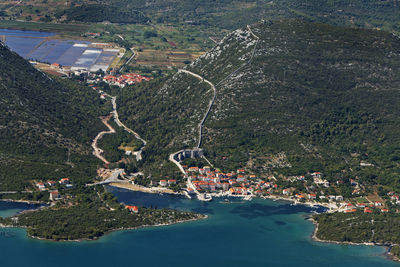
{"x": 45, "y": 123}
{"x": 166, "y": 113}
{"x": 226, "y": 14}
{"x": 313, "y": 97}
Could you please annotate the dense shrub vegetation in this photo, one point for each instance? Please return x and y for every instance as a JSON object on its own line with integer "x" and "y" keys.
{"x": 359, "y": 227}
{"x": 46, "y": 125}
{"x": 113, "y": 144}
{"x": 115, "y": 13}
{"x": 165, "y": 116}
{"x": 229, "y": 14}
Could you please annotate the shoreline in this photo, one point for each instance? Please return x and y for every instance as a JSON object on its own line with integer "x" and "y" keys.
{"x": 31, "y": 202}
{"x": 328, "y": 206}
{"x": 150, "y": 190}
{"x": 162, "y": 190}
{"x": 200, "y": 217}
{"x": 157, "y": 190}
{"x": 314, "y": 238}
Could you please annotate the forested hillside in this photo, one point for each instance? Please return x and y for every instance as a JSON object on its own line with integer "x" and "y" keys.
{"x": 116, "y": 13}
{"x": 46, "y": 125}
{"x": 227, "y": 14}
{"x": 314, "y": 98}
{"x": 167, "y": 112}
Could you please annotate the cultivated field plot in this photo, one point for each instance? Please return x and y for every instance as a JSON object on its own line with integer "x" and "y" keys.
{"x": 166, "y": 58}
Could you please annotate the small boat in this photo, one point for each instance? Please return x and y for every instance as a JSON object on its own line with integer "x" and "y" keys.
{"x": 226, "y": 201}
{"x": 247, "y": 198}
{"x": 207, "y": 197}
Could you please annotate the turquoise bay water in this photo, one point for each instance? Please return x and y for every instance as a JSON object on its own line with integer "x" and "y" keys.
{"x": 11, "y": 208}
{"x": 254, "y": 233}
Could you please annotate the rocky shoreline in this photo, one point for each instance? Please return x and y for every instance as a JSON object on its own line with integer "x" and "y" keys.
{"x": 316, "y": 239}
{"x": 199, "y": 217}
{"x": 23, "y": 201}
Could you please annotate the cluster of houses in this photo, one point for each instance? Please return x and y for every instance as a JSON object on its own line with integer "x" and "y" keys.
{"x": 125, "y": 79}
{"x": 240, "y": 182}
{"x": 166, "y": 183}
{"x": 317, "y": 177}
{"x": 318, "y": 180}
{"x": 310, "y": 196}
{"x": 368, "y": 208}
{"x": 63, "y": 181}
{"x": 394, "y": 197}
{"x": 344, "y": 207}
{"x": 49, "y": 185}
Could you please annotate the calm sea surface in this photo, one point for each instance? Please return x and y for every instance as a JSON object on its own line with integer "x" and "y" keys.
{"x": 254, "y": 233}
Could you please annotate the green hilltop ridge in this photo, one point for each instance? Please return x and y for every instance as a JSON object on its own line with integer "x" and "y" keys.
{"x": 314, "y": 98}
{"x": 226, "y": 14}
{"x": 46, "y": 126}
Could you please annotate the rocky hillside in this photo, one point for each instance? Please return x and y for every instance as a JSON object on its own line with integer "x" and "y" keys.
{"x": 292, "y": 97}
{"x": 44, "y": 121}
{"x": 315, "y": 91}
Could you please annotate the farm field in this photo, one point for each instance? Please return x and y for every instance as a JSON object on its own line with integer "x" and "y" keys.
{"x": 166, "y": 58}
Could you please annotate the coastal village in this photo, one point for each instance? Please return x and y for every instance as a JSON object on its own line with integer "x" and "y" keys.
{"x": 242, "y": 183}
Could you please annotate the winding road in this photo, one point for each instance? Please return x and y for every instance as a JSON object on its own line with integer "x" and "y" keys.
{"x": 209, "y": 105}
{"x": 96, "y": 150}
{"x": 120, "y": 124}
{"x": 201, "y": 124}
{"x": 114, "y": 178}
